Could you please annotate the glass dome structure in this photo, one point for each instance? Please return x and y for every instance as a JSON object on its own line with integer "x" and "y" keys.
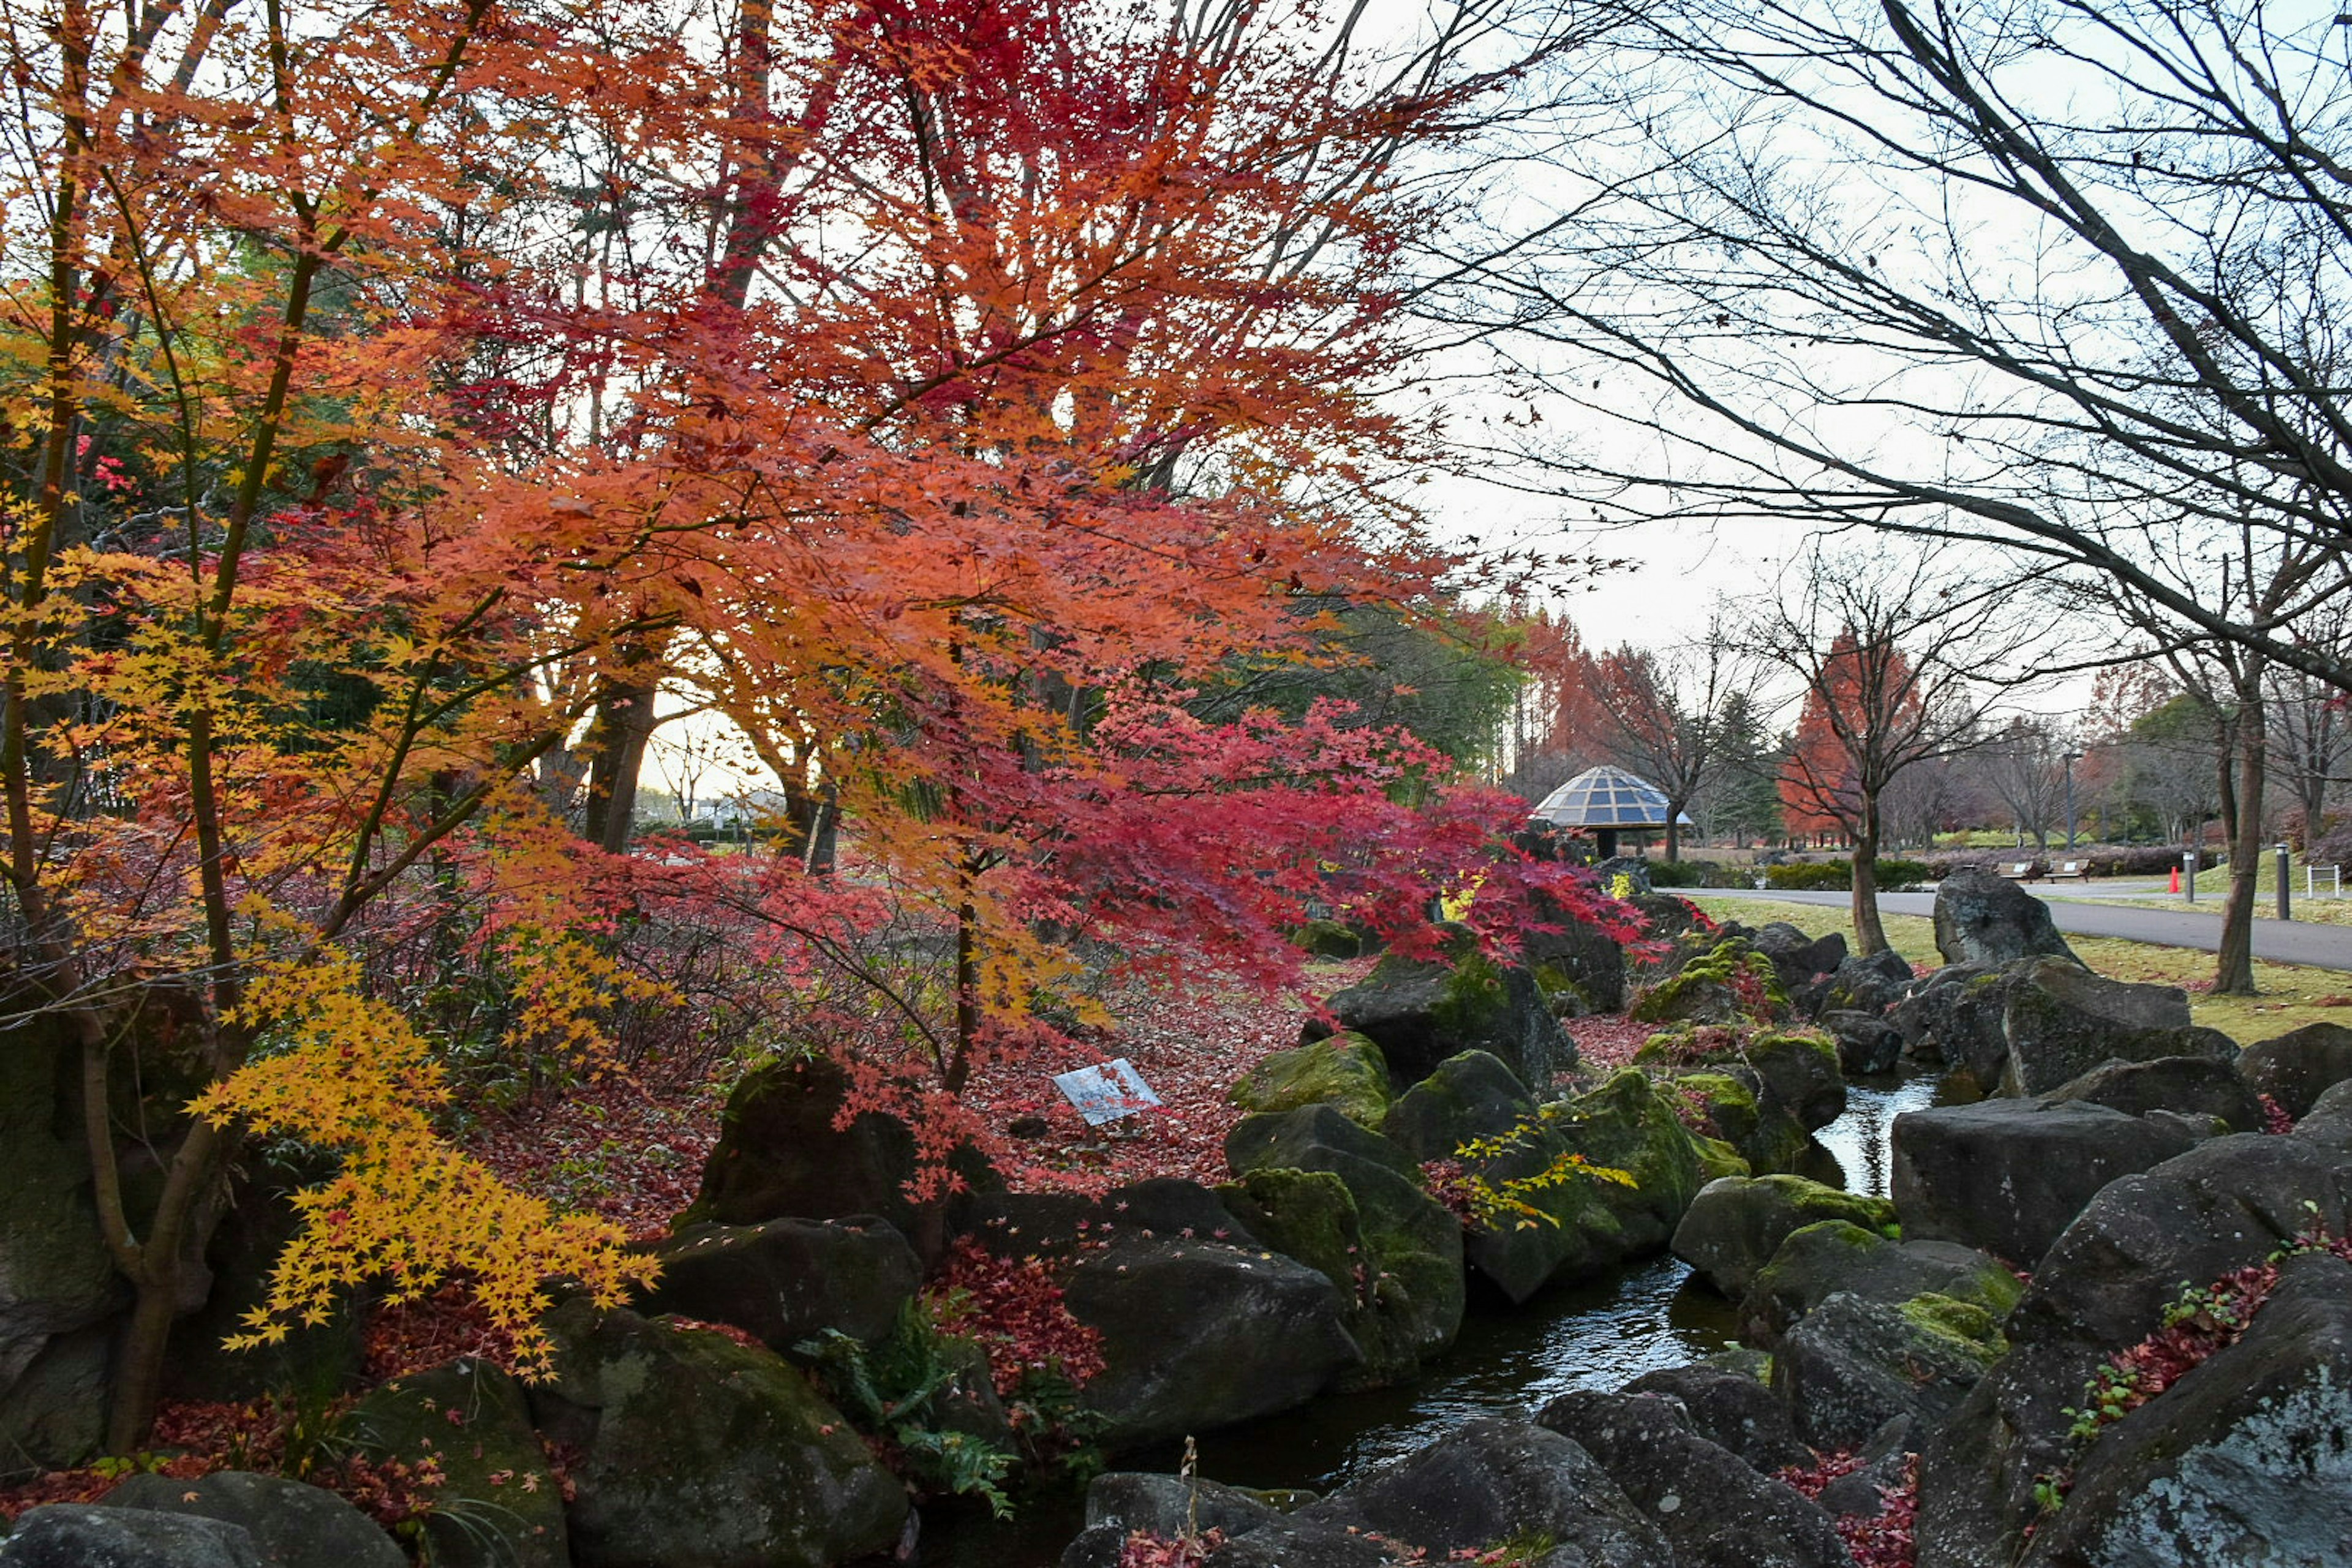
{"x": 1603, "y": 801}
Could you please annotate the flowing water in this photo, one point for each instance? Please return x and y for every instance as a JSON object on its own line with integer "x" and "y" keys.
{"x": 1592, "y": 1333}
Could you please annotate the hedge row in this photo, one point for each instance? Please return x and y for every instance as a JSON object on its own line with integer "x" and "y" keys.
{"x": 1837, "y": 876}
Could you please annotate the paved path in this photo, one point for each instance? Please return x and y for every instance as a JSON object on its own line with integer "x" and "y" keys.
{"x": 2281, "y": 942}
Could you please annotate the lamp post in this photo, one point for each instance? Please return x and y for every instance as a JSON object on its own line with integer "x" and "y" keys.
{"x": 2069, "y": 759}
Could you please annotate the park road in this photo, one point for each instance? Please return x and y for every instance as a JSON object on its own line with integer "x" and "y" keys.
{"x": 2280, "y": 942}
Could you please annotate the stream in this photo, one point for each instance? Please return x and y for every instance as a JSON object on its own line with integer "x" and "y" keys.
{"x": 1589, "y": 1333}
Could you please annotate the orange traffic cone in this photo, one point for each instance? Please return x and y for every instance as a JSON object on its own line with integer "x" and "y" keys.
{"x": 2176, "y": 879}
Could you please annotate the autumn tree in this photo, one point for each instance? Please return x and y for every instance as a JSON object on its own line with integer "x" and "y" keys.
{"x": 1886, "y": 650}
{"x": 377, "y": 432}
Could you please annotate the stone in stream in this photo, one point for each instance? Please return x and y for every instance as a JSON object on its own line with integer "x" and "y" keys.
{"x": 2059, "y": 1021}
{"x": 1197, "y": 1335}
{"x": 1488, "y": 1480}
{"x": 2008, "y": 1175}
{"x": 1413, "y": 1244}
{"x": 1713, "y": 1508}
{"x": 1746, "y": 1118}
{"x": 2197, "y": 1086}
{"x": 1867, "y": 1043}
{"x": 2296, "y": 1068}
{"x": 1170, "y": 1509}
{"x": 1819, "y": 1261}
{"x": 1732, "y": 1409}
{"x": 1803, "y": 964}
{"x": 1982, "y": 917}
{"x": 1737, "y": 1224}
{"x": 1851, "y": 1366}
{"x": 1866, "y": 983}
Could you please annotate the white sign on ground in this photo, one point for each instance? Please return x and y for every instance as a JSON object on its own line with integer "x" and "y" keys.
{"x": 1106, "y": 1092}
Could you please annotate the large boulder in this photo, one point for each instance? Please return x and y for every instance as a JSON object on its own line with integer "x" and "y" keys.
{"x": 2007, "y": 1176}
{"x": 2104, "y": 1286}
{"x": 1867, "y": 1043}
{"x": 1310, "y": 1216}
{"x": 57, "y": 1285}
{"x": 2059, "y": 1021}
{"x": 1731, "y": 1408}
{"x": 1197, "y": 1334}
{"x": 1795, "y": 1070}
{"x": 1801, "y": 963}
{"x": 1345, "y": 1069}
{"x": 1489, "y": 1480}
{"x": 76, "y": 1535}
{"x": 1736, "y": 1225}
{"x": 1421, "y": 1011}
{"x": 2189, "y": 1086}
{"x": 1576, "y": 961}
{"x": 789, "y": 1279}
{"x": 1851, "y": 1366}
{"x": 1725, "y": 982}
{"x": 1867, "y": 982}
{"x": 1953, "y": 1018}
{"x": 292, "y": 1525}
{"x": 1821, "y": 1261}
{"x": 501, "y": 1501}
{"x": 1981, "y": 918}
{"x": 1474, "y": 1097}
{"x": 2296, "y": 1068}
{"x": 780, "y": 1154}
{"x": 1733, "y": 1106}
{"x": 1414, "y": 1244}
{"x": 1713, "y": 1511}
{"x": 696, "y": 1452}
{"x": 2247, "y": 1458}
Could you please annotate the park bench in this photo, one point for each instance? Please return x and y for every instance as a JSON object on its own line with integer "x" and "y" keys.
{"x": 2071, "y": 871}
{"x": 2019, "y": 870}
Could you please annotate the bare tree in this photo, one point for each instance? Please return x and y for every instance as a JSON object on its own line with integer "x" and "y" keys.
{"x": 2039, "y": 275}
{"x": 1888, "y": 651}
{"x": 1662, "y": 709}
{"x": 2024, "y": 763}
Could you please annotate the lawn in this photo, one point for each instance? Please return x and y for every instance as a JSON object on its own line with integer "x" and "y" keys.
{"x": 2291, "y": 996}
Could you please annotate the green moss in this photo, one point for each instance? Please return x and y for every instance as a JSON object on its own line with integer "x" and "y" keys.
{"x": 1326, "y": 938}
{"x": 1344, "y": 1070}
{"x": 1718, "y": 1158}
{"x": 1961, "y": 1325}
{"x": 1473, "y": 998}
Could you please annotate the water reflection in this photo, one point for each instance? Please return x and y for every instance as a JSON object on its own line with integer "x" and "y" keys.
{"x": 1508, "y": 1361}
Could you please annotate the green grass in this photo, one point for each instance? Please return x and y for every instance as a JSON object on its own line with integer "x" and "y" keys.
{"x": 2291, "y": 996}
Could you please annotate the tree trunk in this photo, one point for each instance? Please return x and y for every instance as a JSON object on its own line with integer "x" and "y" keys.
{"x": 2233, "y": 971}
{"x": 1674, "y": 832}
{"x": 1869, "y": 934}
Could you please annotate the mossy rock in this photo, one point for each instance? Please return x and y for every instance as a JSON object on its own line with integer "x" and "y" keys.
{"x": 1422, "y": 1011}
{"x": 1344, "y": 1070}
{"x": 1801, "y": 1069}
{"x": 1735, "y": 1226}
{"x": 1310, "y": 1216}
{"x": 1709, "y": 988}
{"x": 1717, "y": 1159}
{"x": 1765, "y": 1137}
{"x": 698, "y": 1452}
{"x": 1327, "y": 939}
{"x": 499, "y": 1504}
{"x": 1817, "y": 1260}
{"x": 1415, "y": 1245}
{"x": 1959, "y": 1325}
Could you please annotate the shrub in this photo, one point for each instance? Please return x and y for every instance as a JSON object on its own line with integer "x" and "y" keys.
{"x": 1837, "y": 876}
{"x": 1677, "y": 873}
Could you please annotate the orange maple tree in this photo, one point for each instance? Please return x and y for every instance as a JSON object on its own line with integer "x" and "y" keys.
{"x": 410, "y": 399}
